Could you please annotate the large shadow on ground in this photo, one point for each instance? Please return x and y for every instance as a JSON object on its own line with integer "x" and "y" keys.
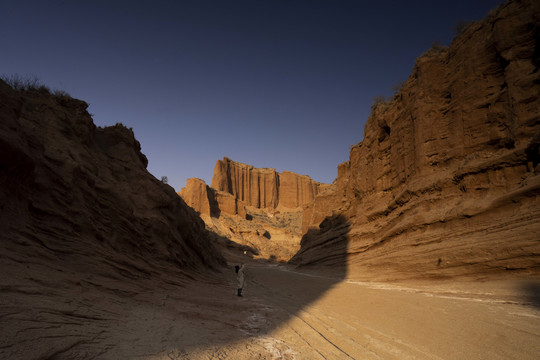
{"x": 274, "y": 293}
{"x": 110, "y": 306}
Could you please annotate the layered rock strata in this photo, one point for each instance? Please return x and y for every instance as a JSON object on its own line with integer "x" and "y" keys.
{"x": 210, "y": 202}
{"x": 257, "y": 208}
{"x": 264, "y": 233}
{"x": 264, "y": 187}
{"x": 446, "y": 180}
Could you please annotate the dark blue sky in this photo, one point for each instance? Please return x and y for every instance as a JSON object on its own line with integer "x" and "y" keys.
{"x": 282, "y": 84}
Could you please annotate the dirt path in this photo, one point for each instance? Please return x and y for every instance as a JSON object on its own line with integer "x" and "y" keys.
{"x": 289, "y": 315}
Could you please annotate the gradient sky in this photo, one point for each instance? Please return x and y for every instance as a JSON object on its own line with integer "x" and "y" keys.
{"x": 271, "y": 83}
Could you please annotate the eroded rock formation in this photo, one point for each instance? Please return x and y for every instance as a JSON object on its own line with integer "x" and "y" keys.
{"x": 198, "y": 195}
{"x": 264, "y": 187}
{"x": 446, "y": 180}
{"x": 263, "y": 234}
{"x": 258, "y": 208}
{"x": 210, "y": 202}
{"x": 266, "y": 233}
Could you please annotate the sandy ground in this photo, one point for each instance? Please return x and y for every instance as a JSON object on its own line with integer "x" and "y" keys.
{"x": 284, "y": 314}
{"x": 289, "y": 315}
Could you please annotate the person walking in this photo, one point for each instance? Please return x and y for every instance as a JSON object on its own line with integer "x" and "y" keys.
{"x": 240, "y": 278}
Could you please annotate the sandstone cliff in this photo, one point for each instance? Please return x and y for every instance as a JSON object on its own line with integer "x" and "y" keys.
{"x": 210, "y": 202}
{"x": 264, "y": 188}
{"x": 84, "y": 227}
{"x": 446, "y": 180}
{"x": 264, "y": 233}
{"x": 258, "y": 209}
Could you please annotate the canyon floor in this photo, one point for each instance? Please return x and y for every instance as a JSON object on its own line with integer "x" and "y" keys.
{"x": 287, "y": 314}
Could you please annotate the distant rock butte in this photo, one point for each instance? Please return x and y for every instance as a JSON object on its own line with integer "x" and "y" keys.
{"x": 259, "y": 208}
{"x": 265, "y": 233}
{"x": 446, "y": 181}
{"x": 85, "y": 229}
{"x": 264, "y": 188}
{"x": 211, "y": 202}
{"x": 69, "y": 187}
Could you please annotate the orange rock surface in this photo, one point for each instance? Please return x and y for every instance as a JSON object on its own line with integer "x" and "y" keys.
{"x": 264, "y": 187}
{"x": 210, "y": 202}
{"x": 266, "y": 232}
{"x": 198, "y": 195}
{"x": 446, "y": 180}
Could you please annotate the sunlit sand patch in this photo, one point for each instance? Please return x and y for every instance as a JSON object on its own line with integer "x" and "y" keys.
{"x": 277, "y": 348}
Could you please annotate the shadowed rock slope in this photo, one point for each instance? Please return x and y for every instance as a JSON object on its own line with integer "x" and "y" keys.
{"x": 83, "y": 228}
{"x": 446, "y": 181}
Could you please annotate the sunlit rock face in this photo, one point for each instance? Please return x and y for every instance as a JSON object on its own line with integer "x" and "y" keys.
{"x": 258, "y": 209}
{"x": 446, "y": 181}
{"x": 264, "y": 187}
{"x": 197, "y": 195}
{"x": 255, "y": 187}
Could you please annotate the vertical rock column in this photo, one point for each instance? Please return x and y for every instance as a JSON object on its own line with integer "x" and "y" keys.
{"x": 263, "y": 187}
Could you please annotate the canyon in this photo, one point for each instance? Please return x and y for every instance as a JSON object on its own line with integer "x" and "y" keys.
{"x": 426, "y": 245}
{"x": 446, "y": 181}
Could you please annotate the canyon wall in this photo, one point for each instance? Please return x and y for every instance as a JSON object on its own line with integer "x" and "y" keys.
{"x": 446, "y": 181}
{"x": 84, "y": 228}
{"x": 68, "y": 184}
{"x": 263, "y": 187}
